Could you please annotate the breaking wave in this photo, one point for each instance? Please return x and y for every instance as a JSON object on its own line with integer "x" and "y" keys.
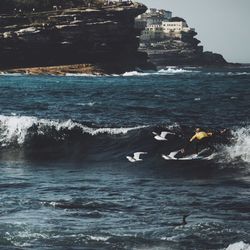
{"x": 171, "y": 70}
{"x": 238, "y": 246}
{"x": 67, "y": 138}
{"x": 167, "y": 71}
{"x": 228, "y": 73}
{"x": 16, "y": 129}
{"x": 10, "y": 74}
{"x": 239, "y": 147}
{"x": 82, "y": 74}
{"x": 32, "y": 137}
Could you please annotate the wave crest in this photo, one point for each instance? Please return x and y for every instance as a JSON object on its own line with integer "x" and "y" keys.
{"x": 167, "y": 71}
{"x": 238, "y": 246}
{"x": 16, "y": 129}
{"x": 44, "y": 136}
{"x": 239, "y": 147}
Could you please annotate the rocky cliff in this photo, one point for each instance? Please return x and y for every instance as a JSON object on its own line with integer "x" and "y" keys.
{"x": 104, "y": 37}
{"x": 183, "y": 50}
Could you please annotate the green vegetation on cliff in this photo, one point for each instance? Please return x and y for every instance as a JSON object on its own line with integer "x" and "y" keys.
{"x": 177, "y": 19}
{"x": 8, "y": 6}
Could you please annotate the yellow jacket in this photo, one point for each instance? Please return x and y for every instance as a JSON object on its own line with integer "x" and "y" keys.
{"x": 200, "y": 135}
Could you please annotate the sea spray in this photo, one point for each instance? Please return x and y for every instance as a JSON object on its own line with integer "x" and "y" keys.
{"x": 16, "y": 128}
{"x": 239, "y": 149}
{"x": 166, "y": 71}
{"x": 238, "y": 246}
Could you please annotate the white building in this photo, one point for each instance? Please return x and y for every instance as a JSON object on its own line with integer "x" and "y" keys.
{"x": 175, "y": 27}
{"x": 156, "y": 25}
{"x": 152, "y": 32}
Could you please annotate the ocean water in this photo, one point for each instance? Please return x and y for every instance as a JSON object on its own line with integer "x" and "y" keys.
{"x": 65, "y": 182}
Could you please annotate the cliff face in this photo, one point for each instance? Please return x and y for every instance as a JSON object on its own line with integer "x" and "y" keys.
{"x": 181, "y": 51}
{"x": 103, "y": 37}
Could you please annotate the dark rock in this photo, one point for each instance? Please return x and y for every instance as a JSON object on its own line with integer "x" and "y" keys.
{"x": 210, "y": 58}
{"x": 105, "y": 37}
{"x": 181, "y": 51}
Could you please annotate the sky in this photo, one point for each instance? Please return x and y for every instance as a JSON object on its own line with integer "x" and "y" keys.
{"x": 223, "y": 26}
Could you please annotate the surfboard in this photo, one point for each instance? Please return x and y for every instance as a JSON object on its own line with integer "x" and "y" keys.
{"x": 187, "y": 158}
{"x": 171, "y": 156}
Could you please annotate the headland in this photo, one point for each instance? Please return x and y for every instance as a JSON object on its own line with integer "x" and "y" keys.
{"x": 102, "y": 36}
{"x": 97, "y": 37}
{"x": 169, "y": 40}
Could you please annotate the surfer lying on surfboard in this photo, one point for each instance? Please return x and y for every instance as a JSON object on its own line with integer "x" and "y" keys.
{"x": 203, "y": 139}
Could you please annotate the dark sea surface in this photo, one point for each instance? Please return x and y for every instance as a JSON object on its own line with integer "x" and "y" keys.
{"x": 65, "y": 182}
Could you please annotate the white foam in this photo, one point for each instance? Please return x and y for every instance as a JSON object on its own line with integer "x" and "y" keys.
{"x": 174, "y": 238}
{"x": 238, "y": 73}
{"x": 228, "y": 73}
{"x": 136, "y": 73}
{"x": 239, "y": 149}
{"x": 11, "y": 74}
{"x": 238, "y": 246}
{"x": 81, "y": 74}
{"x": 90, "y": 104}
{"x": 27, "y": 31}
{"x": 173, "y": 127}
{"x": 166, "y": 71}
{"x": 171, "y": 70}
{"x": 99, "y": 238}
{"x": 24, "y": 238}
{"x": 15, "y": 128}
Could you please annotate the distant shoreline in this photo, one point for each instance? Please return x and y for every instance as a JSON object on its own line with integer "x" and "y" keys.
{"x": 57, "y": 70}
{"x": 89, "y": 69}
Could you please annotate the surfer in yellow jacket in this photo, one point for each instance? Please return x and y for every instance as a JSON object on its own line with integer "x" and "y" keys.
{"x": 200, "y": 135}
{"x": 201, "y": 138}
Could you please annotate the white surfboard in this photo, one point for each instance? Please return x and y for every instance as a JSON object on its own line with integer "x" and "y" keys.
{"x": 187, "y": 158}
{"x": 171, "y": 156}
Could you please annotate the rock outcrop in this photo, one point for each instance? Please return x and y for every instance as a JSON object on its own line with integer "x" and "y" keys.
{"x": 104, "y": 38}
{"x": 181, "y": 50}
{"x": 86, "y": 69}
